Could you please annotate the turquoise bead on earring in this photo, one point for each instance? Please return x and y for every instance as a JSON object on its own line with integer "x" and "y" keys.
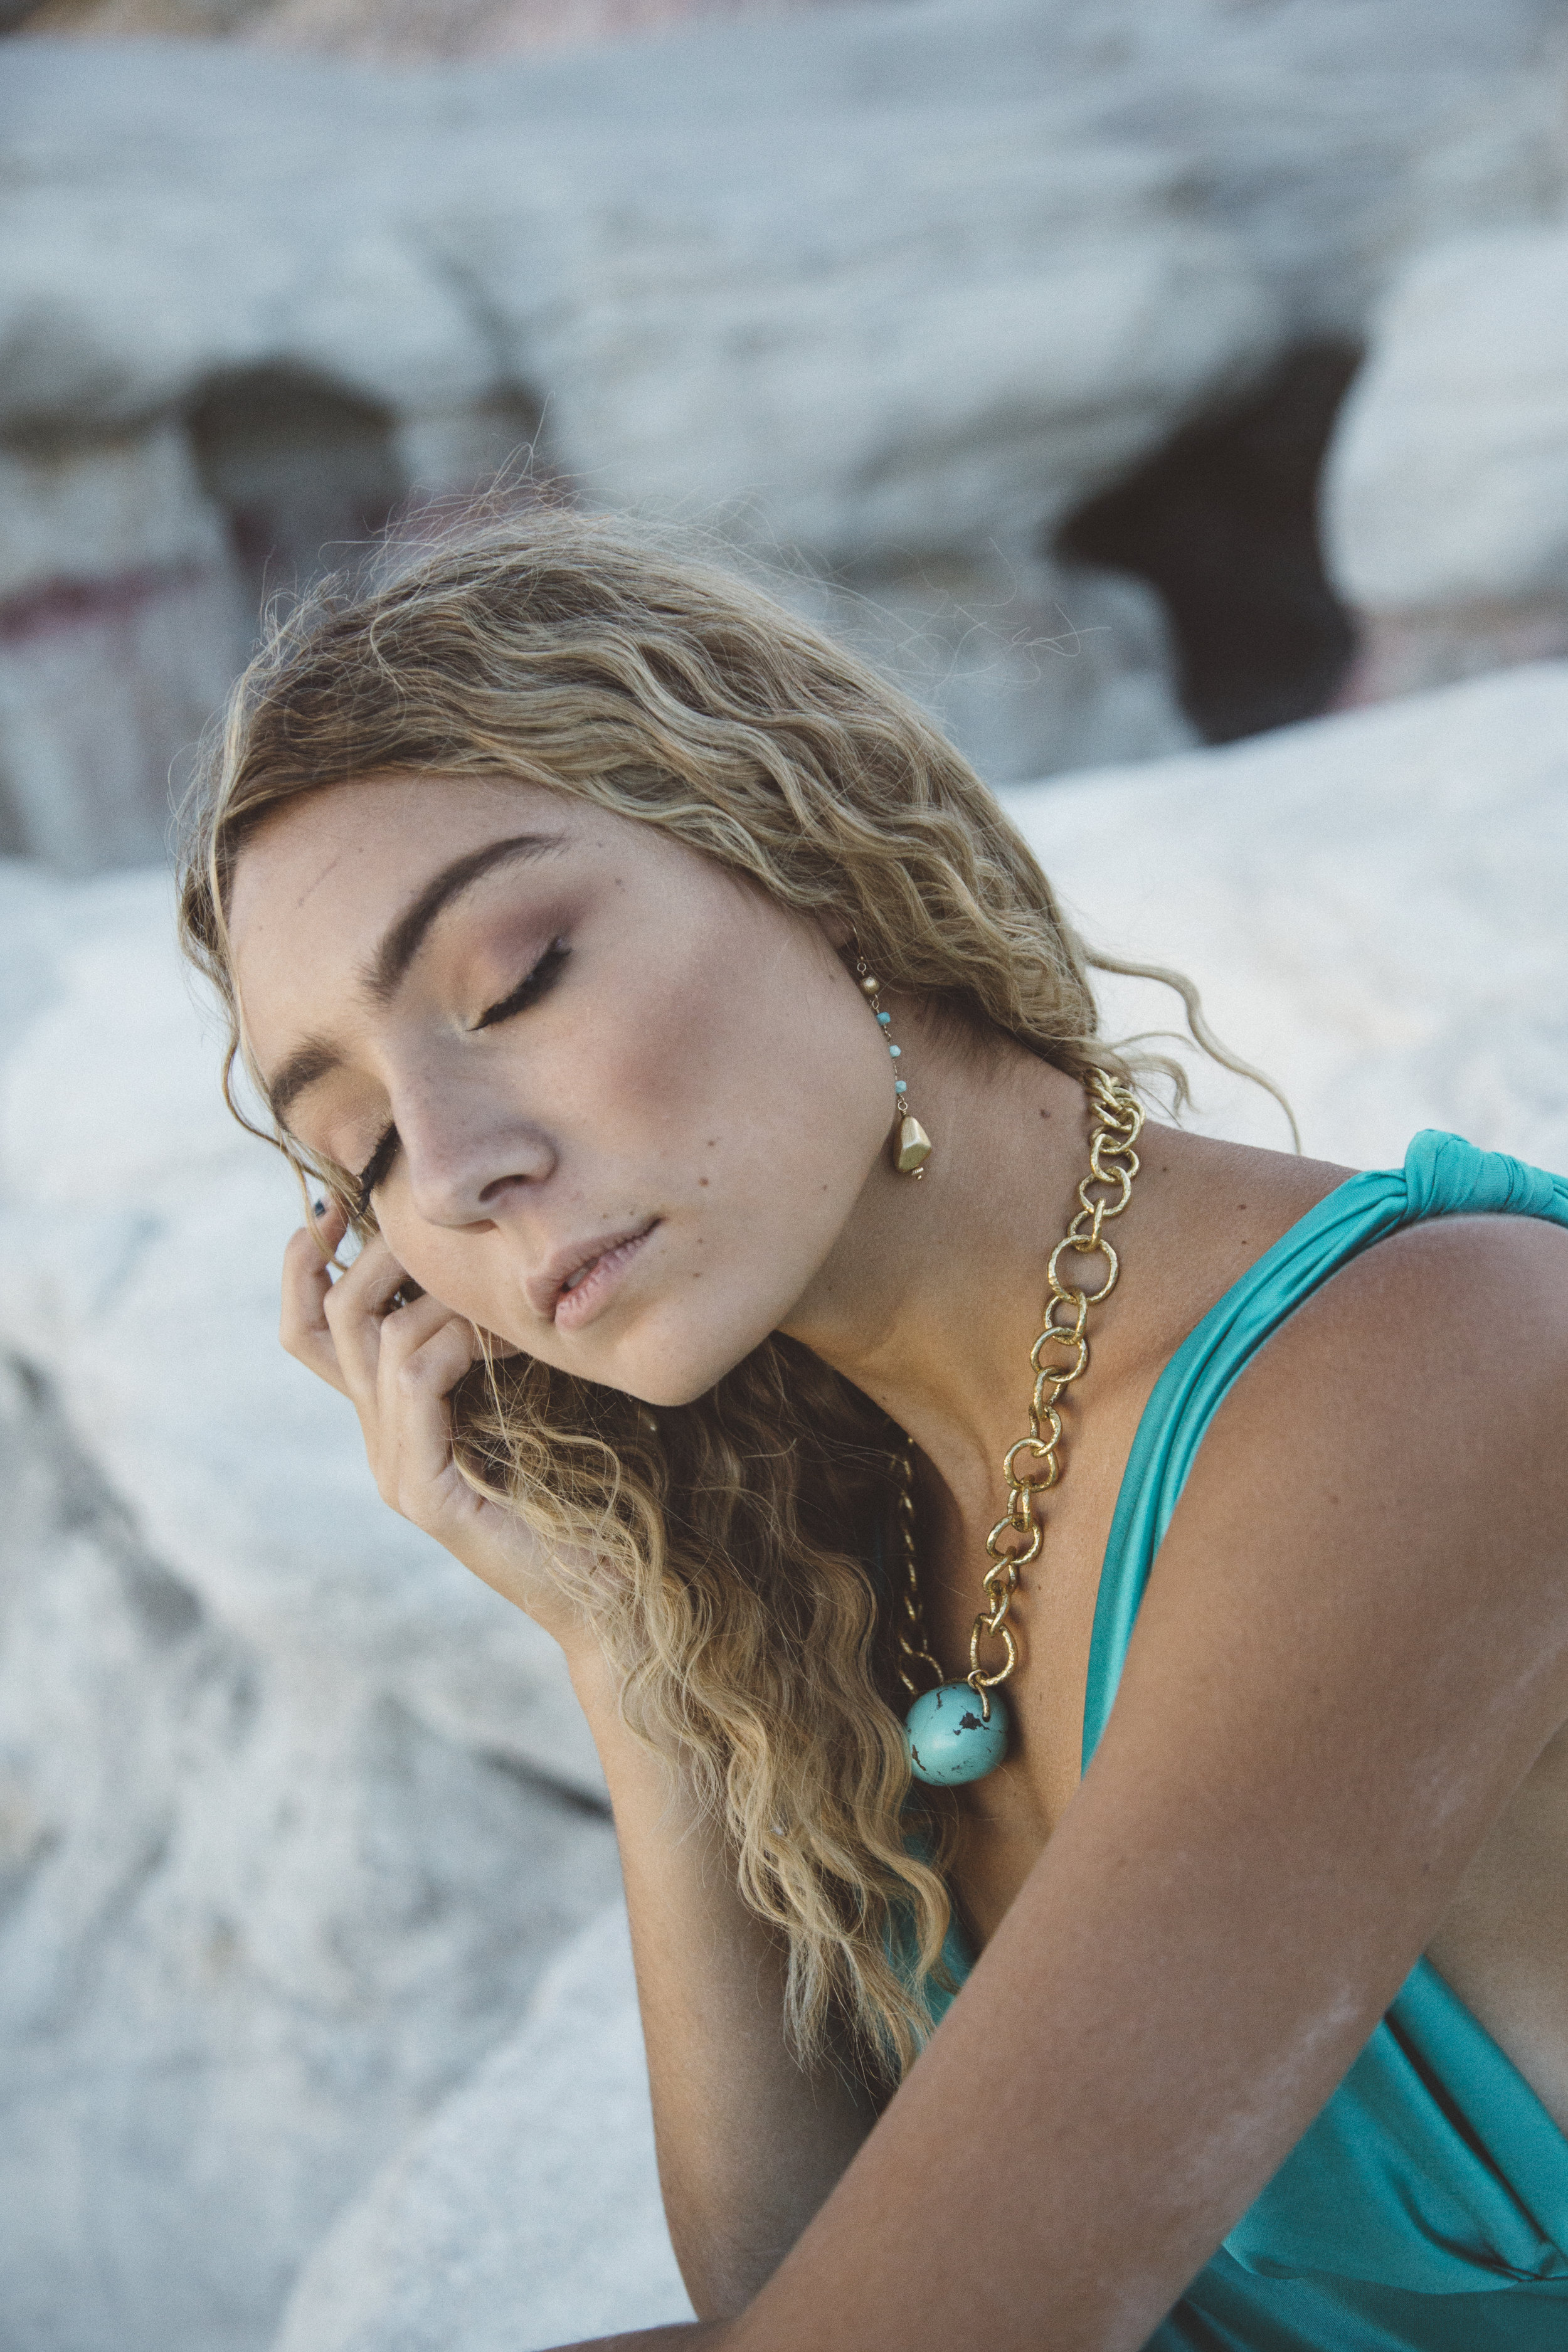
{"x": 913, "y": 1145}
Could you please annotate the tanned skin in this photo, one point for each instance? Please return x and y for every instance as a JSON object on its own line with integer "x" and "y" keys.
{"x": 1338, "y": 1741}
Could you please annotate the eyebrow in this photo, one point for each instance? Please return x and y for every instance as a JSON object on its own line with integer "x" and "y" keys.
{"x": 390, "y": 962}
{"x": 406, "y": 936}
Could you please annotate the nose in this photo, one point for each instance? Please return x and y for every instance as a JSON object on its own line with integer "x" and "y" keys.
{"x": 465, "y": 1158}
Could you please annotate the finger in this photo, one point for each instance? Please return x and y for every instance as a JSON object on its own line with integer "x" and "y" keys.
{"x": 307, "y": 1282}
{"x": 417, "y": 1413}
{"x": 355, "y": 1309}
{"x": 405, "y": 1328}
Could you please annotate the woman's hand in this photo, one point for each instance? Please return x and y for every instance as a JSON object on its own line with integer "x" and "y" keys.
{"x": 397, "y": 1364}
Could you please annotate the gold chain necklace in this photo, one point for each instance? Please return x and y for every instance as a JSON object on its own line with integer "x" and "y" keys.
{"x": 951, "y": 1739}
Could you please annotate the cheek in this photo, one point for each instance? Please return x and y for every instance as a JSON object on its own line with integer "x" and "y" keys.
{"x": 681, "y": 1064}
{"x": 769, "y": 1091}
{"x": 456, "y": 1267}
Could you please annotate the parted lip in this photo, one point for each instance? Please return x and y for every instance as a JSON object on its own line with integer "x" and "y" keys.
{"x": 543, "y": 1290}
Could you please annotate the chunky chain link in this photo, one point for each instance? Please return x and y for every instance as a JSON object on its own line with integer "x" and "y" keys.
{"x": 1033, "y": 1464}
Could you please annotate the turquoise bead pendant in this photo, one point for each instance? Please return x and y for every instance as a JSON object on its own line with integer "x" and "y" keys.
{"x": 949, "y": 1738}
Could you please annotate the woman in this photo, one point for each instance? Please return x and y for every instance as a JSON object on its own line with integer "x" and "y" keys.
{"x": 717, "y": 1091}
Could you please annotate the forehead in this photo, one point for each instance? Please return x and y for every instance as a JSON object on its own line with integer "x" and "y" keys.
{"x": 318, "y": 884}
{"x": 315, "y": 858}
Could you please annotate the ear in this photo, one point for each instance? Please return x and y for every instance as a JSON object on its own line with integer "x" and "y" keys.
{"x": 837, "y": 931}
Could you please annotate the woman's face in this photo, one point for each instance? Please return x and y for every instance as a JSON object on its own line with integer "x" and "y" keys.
{"x": 613, "y": 1104}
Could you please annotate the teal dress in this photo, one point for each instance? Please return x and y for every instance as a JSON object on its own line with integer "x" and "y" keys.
{"x": 1427, "y": 2208}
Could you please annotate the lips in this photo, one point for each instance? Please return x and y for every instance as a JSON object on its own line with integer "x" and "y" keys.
{"x": 578, "y": 1276}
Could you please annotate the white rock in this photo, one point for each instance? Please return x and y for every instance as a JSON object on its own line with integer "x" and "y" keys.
{"x": 258, "y": 1919}
{"x": 1445, "y": 497}
{"x": 1372, "y": 905}
{"x": 121, "y": 622}
{"x": 80, "y": 510}
{"x": 1447, "y": 482}
{"x": 945, "y": 347}
{"x": 526, "y": 2212}
{"x": 30, "y": 942}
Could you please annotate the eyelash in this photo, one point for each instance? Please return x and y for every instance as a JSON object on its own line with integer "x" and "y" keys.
{"x": 528, "y": 990}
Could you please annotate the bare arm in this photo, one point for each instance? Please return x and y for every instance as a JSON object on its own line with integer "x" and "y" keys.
{"x": 749, "y": 2142}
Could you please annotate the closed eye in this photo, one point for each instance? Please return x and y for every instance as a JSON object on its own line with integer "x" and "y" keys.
{"x": 535, "y": 983}
{"x": 375, "y": 1169}
{"x": 530, "y": 988}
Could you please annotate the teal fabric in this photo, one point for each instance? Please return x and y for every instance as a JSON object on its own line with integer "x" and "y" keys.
{"x": 1427, "y": 2208}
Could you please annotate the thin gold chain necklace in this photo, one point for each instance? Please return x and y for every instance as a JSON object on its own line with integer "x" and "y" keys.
{"x": 958, "y": 1731}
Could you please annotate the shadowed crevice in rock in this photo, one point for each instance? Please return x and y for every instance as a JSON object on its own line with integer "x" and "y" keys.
{"x": 305, "y": 473}
{"x": 1223, "y": 521}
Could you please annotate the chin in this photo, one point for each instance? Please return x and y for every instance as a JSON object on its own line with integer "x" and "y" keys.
{"x": 670, "y": 1379}
{"x": 673, "y": 1360}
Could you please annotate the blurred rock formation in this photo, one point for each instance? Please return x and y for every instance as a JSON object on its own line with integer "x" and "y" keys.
{"x": 1447, "y": 503}
{"x": 895, "y": 296}
{"x": 391, "y": 29}
{"x": 294, "y": 1815}
{"x": 531, "y": 2194}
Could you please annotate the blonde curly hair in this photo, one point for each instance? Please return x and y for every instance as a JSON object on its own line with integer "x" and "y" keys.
{"x": 729, "y": 1539}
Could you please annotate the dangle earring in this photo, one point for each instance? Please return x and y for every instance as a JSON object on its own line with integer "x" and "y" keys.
{"x": 913, "y": 1148}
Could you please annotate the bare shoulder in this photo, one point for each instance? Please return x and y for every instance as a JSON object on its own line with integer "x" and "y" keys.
{"x": 1457, "y": 1312}
{"x": 1265, "y": 1190}
{"x": 1223, "y": 1205}
{"x": 1393, "y": 1459}
{"x": 1205, "y": 1212}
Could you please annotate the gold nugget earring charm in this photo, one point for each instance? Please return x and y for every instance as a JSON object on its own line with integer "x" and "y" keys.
{"x": 912, "y": 1144}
